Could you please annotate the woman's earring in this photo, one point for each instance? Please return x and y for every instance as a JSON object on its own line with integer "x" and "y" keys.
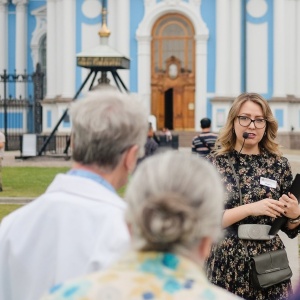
{"x": 265, "y": 133}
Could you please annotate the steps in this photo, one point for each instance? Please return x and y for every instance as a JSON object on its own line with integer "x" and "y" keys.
{"x": 185, "y": 137}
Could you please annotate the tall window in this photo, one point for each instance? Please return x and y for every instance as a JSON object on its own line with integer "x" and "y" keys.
{"x": 173, "y": 35}
{"x": 43, "y": 61}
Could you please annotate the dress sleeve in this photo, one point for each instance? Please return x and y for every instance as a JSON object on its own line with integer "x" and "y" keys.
{"x": 286, "y": 182}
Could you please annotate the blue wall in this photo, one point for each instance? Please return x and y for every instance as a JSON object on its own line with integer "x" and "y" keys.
{"x": 136, "y": 16}
{"x": 208, "y": 12}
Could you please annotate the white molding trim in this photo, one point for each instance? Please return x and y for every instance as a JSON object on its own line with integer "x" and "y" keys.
{"x": 153, "y": 12}
{"x": 39, "y": 31}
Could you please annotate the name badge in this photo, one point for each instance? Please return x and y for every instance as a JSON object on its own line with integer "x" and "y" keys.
{"x": 268, "y": 182}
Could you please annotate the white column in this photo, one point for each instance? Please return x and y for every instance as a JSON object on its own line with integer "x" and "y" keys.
{"x": 113, "y": 11}
{"x": 201, "y": 80}
{"x": 51, "y": 48}
{"x": 235, "y": 41}
{"x": 123, "y": 26}
{"x": 297, "y": 49}
{"x": 69, "y": 51}
{"x": 3, "y": 38}
{"x": 144, "y": 70}
{"x": 222, "y": 47}
{"x": 21, "y": 43}
{"x": 59, "y": 47}
{"x": 279, "y": 49}
{"x": 291, "y": 37}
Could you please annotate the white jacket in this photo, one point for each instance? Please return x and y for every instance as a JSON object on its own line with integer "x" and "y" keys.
{"x": 76, "y": 227}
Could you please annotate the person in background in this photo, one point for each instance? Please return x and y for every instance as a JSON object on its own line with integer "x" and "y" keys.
{"x": 77, "y": 226}
{"x": 173, "y": 221}
{"x": 168, "y": 134}
{"x": 2, "y": 148}
{"x": 204, "y": 143}
{"x": 257, "y": 179}
{"x": 151, "y": 133}
{"x": 150, "y": 145}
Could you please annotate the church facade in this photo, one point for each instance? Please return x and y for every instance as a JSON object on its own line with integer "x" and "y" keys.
{"x": 188, "y": 58}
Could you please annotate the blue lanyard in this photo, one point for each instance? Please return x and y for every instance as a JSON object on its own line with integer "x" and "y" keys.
{"x": 92, "y": 176}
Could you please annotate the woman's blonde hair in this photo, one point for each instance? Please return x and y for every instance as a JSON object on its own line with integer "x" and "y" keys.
{"x": 227, "y": 137}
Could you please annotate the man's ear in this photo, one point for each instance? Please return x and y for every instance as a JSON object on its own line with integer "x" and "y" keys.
{"x": 130, "y": 158}
{"x": 204, "y": 248}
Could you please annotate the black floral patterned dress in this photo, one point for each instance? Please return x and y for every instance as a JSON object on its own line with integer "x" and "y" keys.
{"x": 227, "y": 265}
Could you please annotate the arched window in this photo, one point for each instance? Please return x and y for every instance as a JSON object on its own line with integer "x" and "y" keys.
{"x": 173, "y": 36}
{"x": 43, "y": 60}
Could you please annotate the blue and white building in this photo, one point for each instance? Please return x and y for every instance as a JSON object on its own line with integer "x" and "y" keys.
{"x": 189, "y": 58}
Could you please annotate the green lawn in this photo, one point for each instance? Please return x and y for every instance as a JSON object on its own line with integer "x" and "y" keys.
{"x": 5, "y": 209}
{"x": 27, "y": 182}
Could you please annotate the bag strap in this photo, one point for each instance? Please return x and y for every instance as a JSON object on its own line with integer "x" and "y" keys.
{"x": 204, "y": 143}
{"x": 241, "y": 199}
{"x": 236, "y": 178}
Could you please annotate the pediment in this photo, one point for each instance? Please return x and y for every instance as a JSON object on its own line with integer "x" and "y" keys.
{"x": 41, "y": 11}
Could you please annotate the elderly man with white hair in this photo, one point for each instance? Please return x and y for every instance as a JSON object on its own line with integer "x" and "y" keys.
{"x": 77, "y": 225}
{"x": 175, "y": 203}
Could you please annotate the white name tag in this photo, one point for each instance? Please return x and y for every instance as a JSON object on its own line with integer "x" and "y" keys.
{"x": 268, "y": 182}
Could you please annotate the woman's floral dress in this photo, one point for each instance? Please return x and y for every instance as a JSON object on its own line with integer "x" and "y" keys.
{"x": 227, "y": 265}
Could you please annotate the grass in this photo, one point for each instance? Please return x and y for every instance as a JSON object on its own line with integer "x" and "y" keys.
{"x": 28, "y": 182}
{"x": 6, "y": 209}
{"x": 25, "y": 182}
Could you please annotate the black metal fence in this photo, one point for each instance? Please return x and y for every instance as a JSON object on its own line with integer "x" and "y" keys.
{"x": 20, "y": 105}
{"x": 58, "y": 145}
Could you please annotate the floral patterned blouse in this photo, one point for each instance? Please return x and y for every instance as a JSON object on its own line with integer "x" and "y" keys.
{"x": 227, "y": 265}
{"x": 143, "y": 276}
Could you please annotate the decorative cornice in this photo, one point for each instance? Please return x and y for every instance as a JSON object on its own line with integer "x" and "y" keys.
{"x": 222, "y": 99}
{"x": 20, "y": 2}
{"x": 57, "y": 99}
{"x": 287, "y": 99}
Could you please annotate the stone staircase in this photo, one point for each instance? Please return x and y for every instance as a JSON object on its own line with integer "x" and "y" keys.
{"x": 185, "y": 137}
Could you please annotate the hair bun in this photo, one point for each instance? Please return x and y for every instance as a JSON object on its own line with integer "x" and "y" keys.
{"x": 166, "y": 220}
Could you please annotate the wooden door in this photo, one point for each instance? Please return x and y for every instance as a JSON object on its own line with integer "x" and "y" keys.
{"x": 173, "y": 67}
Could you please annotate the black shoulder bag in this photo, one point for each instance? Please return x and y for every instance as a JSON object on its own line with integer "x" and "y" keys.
{"x": 269, "y": 268}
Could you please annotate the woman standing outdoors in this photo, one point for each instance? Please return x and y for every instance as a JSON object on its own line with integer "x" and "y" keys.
{"x": 256, "y": 176}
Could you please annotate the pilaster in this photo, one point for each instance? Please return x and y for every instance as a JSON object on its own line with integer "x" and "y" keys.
{"x": 59, "y": 46}
{"x": 279, "y": 49}
{"x": 122, "y": 26}
{"x": 51, "y": 49}
{"x": 21, "y": 44}
{"x": 3, "y": 38}
{"x": 69, "y": 51}
{"x": 235, "y": 53}
{"x": 222, "y": 47}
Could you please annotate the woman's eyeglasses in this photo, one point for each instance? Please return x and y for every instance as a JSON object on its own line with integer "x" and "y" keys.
{"x": 246, "y": 121}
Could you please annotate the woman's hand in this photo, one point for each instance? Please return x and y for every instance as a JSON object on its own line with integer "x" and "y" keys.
{"x": 291, "y": 206}
{"x": 267, "y": 207}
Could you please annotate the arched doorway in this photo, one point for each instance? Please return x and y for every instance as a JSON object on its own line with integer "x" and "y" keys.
{"x": 173, "y": 72}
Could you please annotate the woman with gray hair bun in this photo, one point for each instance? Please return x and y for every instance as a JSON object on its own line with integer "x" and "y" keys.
{"x": 174, "y": 214}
